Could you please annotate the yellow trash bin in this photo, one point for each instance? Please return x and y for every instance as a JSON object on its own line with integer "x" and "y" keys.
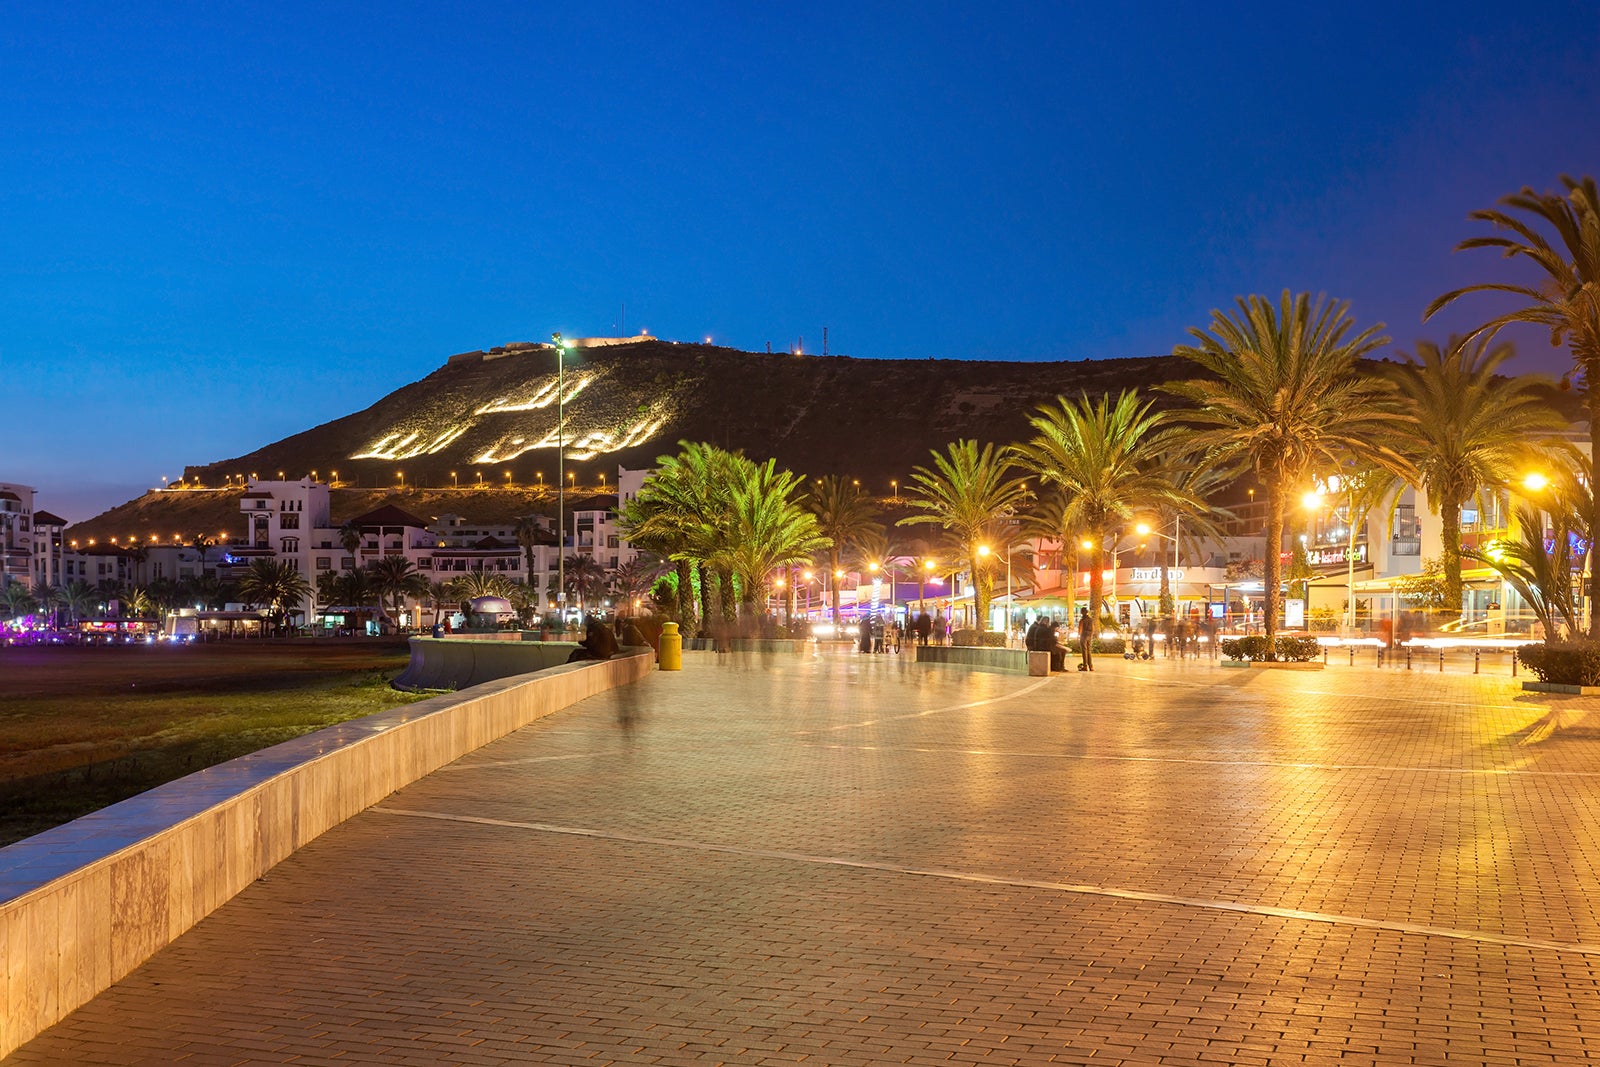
{"x": 671, "y": 655}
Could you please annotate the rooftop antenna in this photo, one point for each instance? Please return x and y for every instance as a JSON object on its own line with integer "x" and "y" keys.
{"x": 824, "y": 340}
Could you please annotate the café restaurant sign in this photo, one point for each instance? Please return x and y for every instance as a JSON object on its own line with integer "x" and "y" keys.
{"x": 1153, "y": 574}
{"x": 1332, "y": 555}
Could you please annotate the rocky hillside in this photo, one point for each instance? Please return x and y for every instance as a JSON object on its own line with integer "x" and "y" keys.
{"x": 493, "y": 413}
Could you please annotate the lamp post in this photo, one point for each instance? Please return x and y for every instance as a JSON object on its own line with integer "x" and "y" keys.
{"x": 1144, "y": 529}
{"x": 561, "y": 481}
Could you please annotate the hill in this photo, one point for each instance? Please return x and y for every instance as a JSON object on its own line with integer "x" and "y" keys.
{"x": 485, "y": 415}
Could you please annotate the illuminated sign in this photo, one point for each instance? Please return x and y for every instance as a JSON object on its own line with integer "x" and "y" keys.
{"x": 1153, "y": 574}
{"x": 1328, "y": 556}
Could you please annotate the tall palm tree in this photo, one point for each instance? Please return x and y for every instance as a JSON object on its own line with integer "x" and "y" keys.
{"x": 48, "y": 598}
{"x": 586, "y": 579}
{"x": 1050, "y": 519}
{"x": 1472, "y": 430}
{"x": 79, "y": 598}
{"x": 845, "y": 515}
{"x": 396, "y": 577}
{"x": 768, "y": 529}
{"x": 634, "y": 579}
{"x": 676, "y": 514}
{"x": 473, "y": 584}
{"x": 968, "y": 491}
{"x": 18, "y": 600}
{"x": 202, "y": 544}
{"x": 350, "y": 540}
{"x": 1192, "y": 516}
{"x": 530, "y": 533}
{"x": 1107, "y": 458}
{"x": 1285, "y": 394}
{"x": 275, "y": 585}
{"x": 1562, "y": 297}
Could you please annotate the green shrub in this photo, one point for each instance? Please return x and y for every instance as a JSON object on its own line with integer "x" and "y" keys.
{"x": 1289, "y": 649}
{"x": 1103, "y": 646}
{"x": 978, "y": 638}
{"x": 1564, "y": 662}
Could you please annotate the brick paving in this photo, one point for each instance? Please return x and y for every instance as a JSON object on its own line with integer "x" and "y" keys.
{"x": 851, "y": 860}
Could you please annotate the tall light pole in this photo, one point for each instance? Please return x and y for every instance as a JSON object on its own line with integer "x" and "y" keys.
{"x": 561, "y": 481}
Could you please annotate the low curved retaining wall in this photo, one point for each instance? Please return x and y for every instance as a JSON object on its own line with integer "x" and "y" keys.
{"x": 1003, "y": 660}
{"x": 84, "y": 904}
{"x": 460, "y": 662}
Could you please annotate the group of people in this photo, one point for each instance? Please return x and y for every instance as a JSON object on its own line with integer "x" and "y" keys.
{"x": 877, "y": 634}
{"x": 1045, "y": 636}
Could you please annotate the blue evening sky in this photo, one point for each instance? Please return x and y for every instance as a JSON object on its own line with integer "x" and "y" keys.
{"x": 225, "y": 223}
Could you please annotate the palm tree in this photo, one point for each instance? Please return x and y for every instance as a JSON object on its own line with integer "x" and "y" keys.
{"x": 1107, "y": 459}
{"x": 397, "y": 577}
{"x": 1050, "y": 519}
{"x": 768, "y": 528}
{"x": 202, "y": 544}
{"x": 845, "y": 516}
{"x": 137, "y": 603}
{"x": 48, "y": 598}
{"x": 209, "y": 590}
{"x": 586, "y": 579}
{"x": 968, "y": 491}
{"x": 1564, "y": 297}
{"x": 1193, "y": 518}
{"x": 1285, "y": 394}
{"x": 1472, "y": 430}
{"x": 1540, "y": 570}
{"x": 531, "y": 534}
{"x": 79, "y": 598}
{"x": 17, "y": 600}
{"x": 474, "y": 584}
{"x": 634, "y": 579}
{"x": 275, "y": 585}
{"x": 350, "y": 535}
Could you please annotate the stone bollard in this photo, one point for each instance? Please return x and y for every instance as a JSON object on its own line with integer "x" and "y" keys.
{"x": 1038, "y": 664}
{"x": 671, "y": 655}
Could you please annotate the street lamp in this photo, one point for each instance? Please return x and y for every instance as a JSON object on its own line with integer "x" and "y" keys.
{"x": 1144, "y": 529}
{"x": 454, "y": 483}
{"x": 561, "y": 466}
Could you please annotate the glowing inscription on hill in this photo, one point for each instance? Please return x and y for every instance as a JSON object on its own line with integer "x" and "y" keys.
{"x": 523, "y": 421}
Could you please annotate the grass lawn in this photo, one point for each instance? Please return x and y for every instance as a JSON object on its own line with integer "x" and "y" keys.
{"x": 81, "y": 728}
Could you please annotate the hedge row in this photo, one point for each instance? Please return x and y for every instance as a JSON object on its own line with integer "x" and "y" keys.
{"x": 1563, "y": 662}
{"x": 1289, "y": 649}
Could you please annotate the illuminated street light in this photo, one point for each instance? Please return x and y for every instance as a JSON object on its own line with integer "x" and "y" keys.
{"x": 1535, "y": 482}
{"x": 561, "y": 463}
{"x": 454, "y": 483}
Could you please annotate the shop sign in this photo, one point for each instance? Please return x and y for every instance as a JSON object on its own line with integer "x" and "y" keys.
{"x": 1153, "y": 574}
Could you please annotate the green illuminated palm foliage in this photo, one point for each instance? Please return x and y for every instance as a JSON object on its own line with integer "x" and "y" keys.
{"x": 1539, "y": 570}
{"x": 846, "y": 517}
{"x": 1472, "y": 431}
{"x": 1285, "y": 396}
{"x": 1562, "y": 296}
{"x": 17, "y": 600}
{"x": 79, "y": 598}
{"x": 474, "y": 584}
{"x": 1106, "y": 458}
{"x": 970, "y": 492}
{"x": 768, "y": 528}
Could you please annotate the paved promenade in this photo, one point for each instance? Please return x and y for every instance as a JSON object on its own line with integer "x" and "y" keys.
{"x": 846, "y": 860}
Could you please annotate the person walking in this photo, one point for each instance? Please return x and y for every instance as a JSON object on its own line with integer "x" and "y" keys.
{"x": 1086, "y": 639}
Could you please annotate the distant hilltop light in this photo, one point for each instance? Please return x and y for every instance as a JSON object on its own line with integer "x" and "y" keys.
{"x": 605, "y": 342}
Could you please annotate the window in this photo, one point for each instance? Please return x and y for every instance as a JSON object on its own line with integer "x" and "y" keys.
{"x": 290, "y": 545}
{"x": 289, "y": 522}
{"x": 425, "y": 563}
{"x": 348, "y": 564}
{"x": 611, "y": 542}
{"x": 324, "y": 563}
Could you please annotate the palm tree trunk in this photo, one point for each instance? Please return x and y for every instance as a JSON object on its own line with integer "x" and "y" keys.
{"x": 1071, "y": 584}
{"x": 1591, "y": 586}
{"x": 1450, "y": 512}
{"x": 730, "y": 610}
{"x": 980, "y": 594}
{"x": 703, "y": 575}
{"x": 685, "y": 595}
{"x": 1097, "y": 581}
{"x": 833, "y": 574}
{"x": 1272, "y": 564}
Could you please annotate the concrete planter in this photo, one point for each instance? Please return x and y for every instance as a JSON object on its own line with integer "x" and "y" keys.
{"x": 1558, "y": 687}
{"x": 1275, "y": 665}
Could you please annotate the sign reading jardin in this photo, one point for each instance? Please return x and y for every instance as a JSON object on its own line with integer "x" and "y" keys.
{"x": 1153, "y": 574}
